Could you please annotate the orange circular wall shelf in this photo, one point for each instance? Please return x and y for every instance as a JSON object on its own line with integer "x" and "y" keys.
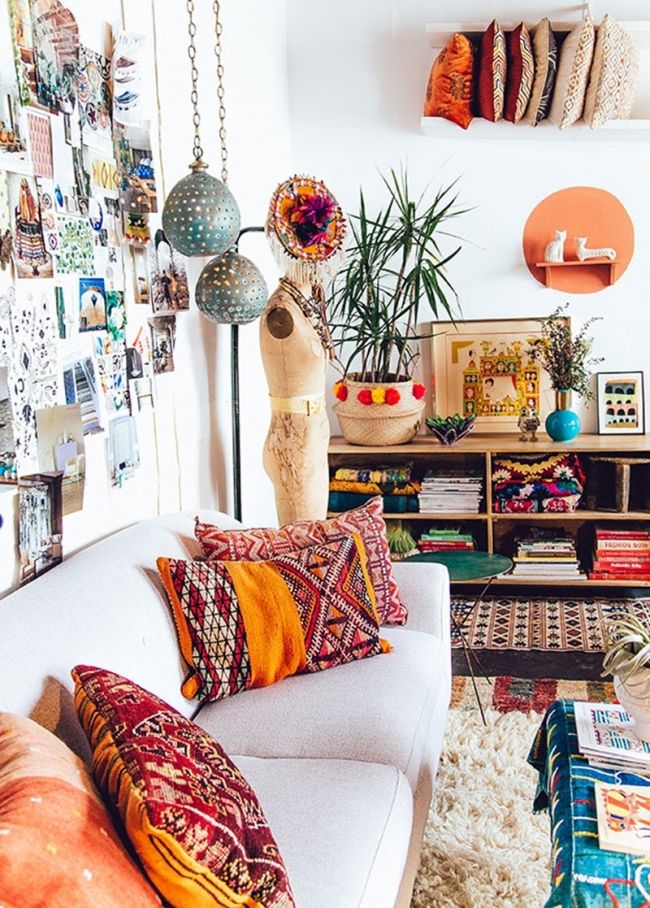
{"x": 581, "y": 211}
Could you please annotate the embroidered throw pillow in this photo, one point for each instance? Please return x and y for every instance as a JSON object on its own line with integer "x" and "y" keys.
{"x": 249, "y": 624}
{"x": 572, "y": 75}
{"x": 191, "y": 816}
{"x": 521, "y": 72}
{"x": 58, "y": 846}
{"x": 263, "y": 544}
{"x": 614, "y": 75}
{"x": 449, "y": 90}
{"x": 545, "y": 54}
{"x": 492, "y": 73}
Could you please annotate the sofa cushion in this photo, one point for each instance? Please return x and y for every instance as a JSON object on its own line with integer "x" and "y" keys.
{"x": 343, "y": 831}
{"x": 492, "y": 73}
{"x": 192, "y": 818}
{"x": 521, "y": 72}
{"x": 58, "y": 846}
{"x": 449, "y": 95}
{"x": 221, "y": 544}
{"x": 572, "y": 75}
{"x": 614, "y": 75}
{"x": 545, "y": 54}
{"x": 373, "y": 711}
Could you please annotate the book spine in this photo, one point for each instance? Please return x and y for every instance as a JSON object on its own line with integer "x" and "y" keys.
{"x": 621, "y": 575}
{"x": 639, "y": 565}
{"x": 622, "y": 534}
{"x": 631, "y": 545}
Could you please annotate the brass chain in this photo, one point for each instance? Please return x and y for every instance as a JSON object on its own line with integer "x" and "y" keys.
{"x": 194, "y": 97}
{"x": 216, "y": 6}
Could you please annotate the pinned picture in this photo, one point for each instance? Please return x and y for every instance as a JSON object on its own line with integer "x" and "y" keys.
{"x": 13, "y": 147}
{"x": 163, "y": 339}
{"x": 56, "y": 54}
{"x": 621, "y": 404}
{"x": 61, "y": 315}
{"x": 75, "y": 254}
{"x": 134, "y": 363}
{"x": 30, "y": 254}
{"x": 40, "y": 524}
{"x": 136, "y": 228}
{"x": 136, "y": 171}
{"x": 169, "y": 290}
{"x": 40, "y": 144}
{"x": 141, "y": 394}
{"x": 61, "y": 448}
{"x": 141, "y": 288}
{"x": 103, "y": 174}
{"x": 81, "y": 175}
{"x": 94, "y": 96}
{"x": 110, "y": 357}
{"x": 115, "y": 314}
{"x": 8, "y": 468}
{"x": 80, "y": 384}
{"x": 23, "y": 41}
{"x": 48, "y": 216}
{"x": 123, "y": 455}
{"x": 92, "y": 304}
{"x": 127, "y": 68}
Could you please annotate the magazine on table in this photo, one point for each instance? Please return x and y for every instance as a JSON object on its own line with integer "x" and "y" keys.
{"x": 623, "y": 813}
{"x": 605, "y": 732}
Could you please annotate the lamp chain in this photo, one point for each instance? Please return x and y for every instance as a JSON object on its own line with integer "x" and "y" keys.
{"x": 216, "y": 6}
{"x": 191, "y": 52}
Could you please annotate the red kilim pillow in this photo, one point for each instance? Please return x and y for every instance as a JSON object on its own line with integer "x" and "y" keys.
{"x": 265, "y": 544}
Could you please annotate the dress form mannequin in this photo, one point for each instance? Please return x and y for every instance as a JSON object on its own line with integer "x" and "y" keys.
{"x": 295, "y": 452}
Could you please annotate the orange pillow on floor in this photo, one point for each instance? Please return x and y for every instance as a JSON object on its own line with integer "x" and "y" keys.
{"x": 449, "y": 92}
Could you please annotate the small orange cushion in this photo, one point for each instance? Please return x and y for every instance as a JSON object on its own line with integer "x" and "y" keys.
{"x": 449, "y": 92}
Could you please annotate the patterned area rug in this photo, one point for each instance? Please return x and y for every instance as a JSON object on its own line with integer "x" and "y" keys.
{"x": 507, "y": 694}
{"x": 543, "y": 624}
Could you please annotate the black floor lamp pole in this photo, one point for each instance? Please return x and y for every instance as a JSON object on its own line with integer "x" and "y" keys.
{"x": 234, "y": 386}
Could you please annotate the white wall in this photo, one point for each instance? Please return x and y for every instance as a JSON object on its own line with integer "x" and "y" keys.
{"x": 358, "y": 72}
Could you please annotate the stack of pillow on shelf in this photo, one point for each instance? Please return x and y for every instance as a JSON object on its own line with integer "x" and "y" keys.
{"x": 529, "y": 75}
{"x": 353, "y": 486}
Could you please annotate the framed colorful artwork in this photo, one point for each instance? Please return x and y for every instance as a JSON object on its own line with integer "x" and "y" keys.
{"x": 485, "y": 369}
{"x": 620, "y": 403}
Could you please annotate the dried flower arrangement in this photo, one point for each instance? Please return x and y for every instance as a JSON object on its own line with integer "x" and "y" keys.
{"x": 565, "y": 357}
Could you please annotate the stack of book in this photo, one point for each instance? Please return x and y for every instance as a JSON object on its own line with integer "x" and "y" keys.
{"x": 546, "y": 554}
{"x": 451, "y": 491}
{"x": 621, "y": 554}
{"x": 606, "y": 739}
{"x": 446, "y": 540}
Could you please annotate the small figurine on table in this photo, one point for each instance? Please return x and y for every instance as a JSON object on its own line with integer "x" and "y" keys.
{"x": 528, "y": 423}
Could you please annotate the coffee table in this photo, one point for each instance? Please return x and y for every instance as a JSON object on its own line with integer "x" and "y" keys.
{"x": 481, "y": 566}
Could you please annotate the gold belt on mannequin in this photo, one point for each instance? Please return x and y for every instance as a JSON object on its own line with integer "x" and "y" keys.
{"x": 307, "y": 404}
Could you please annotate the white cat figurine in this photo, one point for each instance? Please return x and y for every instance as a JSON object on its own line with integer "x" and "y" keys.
{"x": 555, "y": 249}
{"x": 584, "y": 253}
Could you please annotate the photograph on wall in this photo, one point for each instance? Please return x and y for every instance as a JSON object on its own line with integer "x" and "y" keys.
{"x": 115, "y": 315}
{"x": 127, "y": 71}
{"x": 141, "y": 394}
{"x": 40, "y": 524}
{"x": 75, "y": 254}
{"x": 92, "y": 304}
{"x": 163, "y": 340}
{"x": 24, "y": 57}
{"x": 80, "y": 385}
{"x": 620, "y": 403}
{"x": 485, "y": 369}
{"x": 168, "y": 276}
{"x": 48, "y": 216}
{"x": 141, "y": 289}
{"x": 136, "y": 170}
{"x": 136, "y": 229}
{"x": 7, "y": 441}
{"x": 94, "y": 97}
{"x": 31, "y": 257}
{"x": 13, "y": 132}
{"x": 110, "y": 360}
{"x": 60, "y": 440}
{"x": 39, "y": 131}
{"x": 123, "y": 455}
{"x": 56, "y": 54}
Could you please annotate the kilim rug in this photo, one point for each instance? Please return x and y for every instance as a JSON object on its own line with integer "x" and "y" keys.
{"x": 542, "y": 624}
{"x": 507, "y": 694}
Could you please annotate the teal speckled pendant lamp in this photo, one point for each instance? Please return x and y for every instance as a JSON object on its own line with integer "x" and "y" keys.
{"x": 201, "y": 216}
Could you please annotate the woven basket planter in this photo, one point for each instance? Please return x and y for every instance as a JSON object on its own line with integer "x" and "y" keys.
{"x": 379, "y": 424}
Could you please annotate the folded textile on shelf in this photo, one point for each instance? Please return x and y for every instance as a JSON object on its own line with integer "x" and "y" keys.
{"x": 375, "y": 488}
{"x": 396, "y": 474}
{"x": 393, "y": 504}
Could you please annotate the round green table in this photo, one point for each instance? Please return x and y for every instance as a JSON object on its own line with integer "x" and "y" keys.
{"x": 466, "y": 566}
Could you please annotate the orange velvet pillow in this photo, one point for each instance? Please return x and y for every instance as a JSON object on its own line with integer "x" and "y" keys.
{"x": 57, "y": 843}
{"x": 449, "y": 92}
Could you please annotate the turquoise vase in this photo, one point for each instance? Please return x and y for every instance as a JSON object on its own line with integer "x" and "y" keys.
{"x": 563, "y": 424}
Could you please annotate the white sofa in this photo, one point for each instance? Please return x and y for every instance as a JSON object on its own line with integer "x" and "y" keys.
{"x": 342, "y": 761}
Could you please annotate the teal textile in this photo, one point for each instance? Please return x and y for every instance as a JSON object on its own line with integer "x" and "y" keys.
{"x": 393, "y": 504}
{"x": 582, "y": 876}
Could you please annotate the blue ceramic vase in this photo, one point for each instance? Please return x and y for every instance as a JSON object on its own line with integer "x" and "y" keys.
{"x": 563, "y": 424}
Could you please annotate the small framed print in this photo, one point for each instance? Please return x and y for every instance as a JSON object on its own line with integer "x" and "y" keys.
{"x": 620, "y": 403}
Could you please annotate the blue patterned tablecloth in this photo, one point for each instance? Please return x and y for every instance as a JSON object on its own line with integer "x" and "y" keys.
{"x": 582, "y": 876}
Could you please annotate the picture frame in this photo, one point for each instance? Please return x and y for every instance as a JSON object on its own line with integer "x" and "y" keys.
{"x": 620, "y": 402}
{"x": 483, "y": 368}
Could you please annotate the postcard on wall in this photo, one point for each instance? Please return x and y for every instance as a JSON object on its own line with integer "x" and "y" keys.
{"x": 40, "y": 524}
{"x": 485, "y": 369}
{"x": 141, "y": 289}
{"x": 115, "y": 315}
{"x": 136, "y": 170}
{"x": 40, "y": 144}
{"x": 7, "y": 440}
{"x": 168, "y": 276}
{"x": 30, "y": 254}
{"x": 56, "y": 54}
{"x": 620, "y": 403}
{"x": 128, "y": 75}
{"x": 61, "y": 448}
{"x": 24, "y": 56}
{"x": 163, "y": 340}
{"x": 110, "y": 359}
{"x": 75, "y": 254}
{"x": 80, "y": 385}
{"x": 123, "y": 454}
{"x": 14, "y": 154}
{"x": 48, "y": 216}
{"x": 92, "y": 304}
{"x": 141, "y": 393}
{"x": 95, "y": 102}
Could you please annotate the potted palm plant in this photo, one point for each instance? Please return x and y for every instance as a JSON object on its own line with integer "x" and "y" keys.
{"x": 627, "y": 658}
{"x": 395, "y": 272}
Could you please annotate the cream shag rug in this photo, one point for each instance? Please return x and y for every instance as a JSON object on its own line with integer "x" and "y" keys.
{"x": 483, "y": 845}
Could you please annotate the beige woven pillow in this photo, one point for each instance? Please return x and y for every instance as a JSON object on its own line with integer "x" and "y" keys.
{"x": 545, "y": 54}
{"x": 573, "y": 74}
{"x": 614, "y": 75}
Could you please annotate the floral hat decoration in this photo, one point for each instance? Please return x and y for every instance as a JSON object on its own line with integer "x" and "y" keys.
{"x": 306, "y": 229}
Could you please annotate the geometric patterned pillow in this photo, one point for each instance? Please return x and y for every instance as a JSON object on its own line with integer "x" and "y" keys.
{"x": 572, "y": 75}
{"x": 449, "y": 90}
{"x": 521, "y": 72}
{"x": 492, "y": 73}
{"x": 614, "y": 75}
{"x": 545, "y": 54}
{"x": 250, "y": 624}
{"x": 264, "y": 544}
{"x": 191, "y": 816}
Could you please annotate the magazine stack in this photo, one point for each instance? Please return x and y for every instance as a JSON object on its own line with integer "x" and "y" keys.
{"x": 451, "y": 491}
{"x": 546, "y": 554}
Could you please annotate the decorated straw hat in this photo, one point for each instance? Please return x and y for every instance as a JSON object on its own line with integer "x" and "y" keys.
{"x": 306, "y": 229}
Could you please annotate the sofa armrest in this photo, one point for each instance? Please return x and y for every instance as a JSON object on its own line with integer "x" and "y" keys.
{"x": 424, "y": 590}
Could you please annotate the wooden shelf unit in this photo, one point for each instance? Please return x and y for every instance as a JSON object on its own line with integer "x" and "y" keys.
{"x": 479, "y": 449}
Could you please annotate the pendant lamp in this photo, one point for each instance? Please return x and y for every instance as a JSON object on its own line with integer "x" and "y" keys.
{"x": 200, "y": 215}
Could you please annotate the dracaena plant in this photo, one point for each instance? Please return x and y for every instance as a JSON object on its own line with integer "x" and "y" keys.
{"x": 395, "y": 275}
{"x": 628, "y": 648}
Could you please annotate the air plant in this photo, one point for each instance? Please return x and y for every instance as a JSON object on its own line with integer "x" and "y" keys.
{"x": 628, "y": 648}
